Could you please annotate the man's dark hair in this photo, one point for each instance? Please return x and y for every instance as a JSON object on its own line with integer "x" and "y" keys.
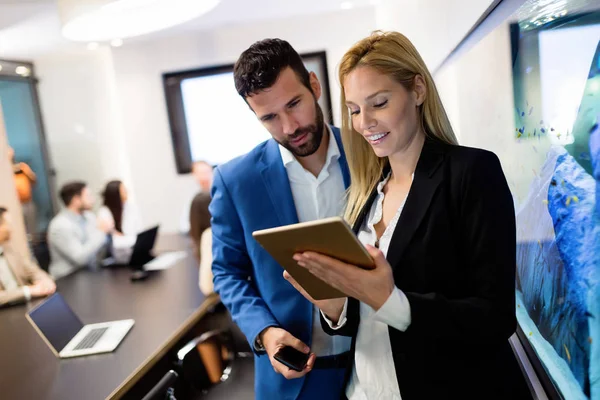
{"x": 259, "y": 66}
{"x": 2, "y": 211}
{"x": 70, "y": 190}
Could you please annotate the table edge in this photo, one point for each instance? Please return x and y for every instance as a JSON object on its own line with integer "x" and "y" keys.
{"x": 210, "y": 301}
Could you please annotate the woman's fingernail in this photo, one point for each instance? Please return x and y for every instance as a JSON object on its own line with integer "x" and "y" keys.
{"x": 300, "y": 263}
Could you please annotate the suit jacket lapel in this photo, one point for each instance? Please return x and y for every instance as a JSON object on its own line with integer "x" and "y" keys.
{"x": 424, "y": 186}
{"x": 277, "y": 184}
{"x": 425, "y": 183}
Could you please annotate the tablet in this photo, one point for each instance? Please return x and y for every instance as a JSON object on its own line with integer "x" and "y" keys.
{"x": 331, "y": 236}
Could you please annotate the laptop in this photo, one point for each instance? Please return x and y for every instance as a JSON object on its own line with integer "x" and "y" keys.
{"x": 142, "y": 249}
{"x": 67, "y": 336}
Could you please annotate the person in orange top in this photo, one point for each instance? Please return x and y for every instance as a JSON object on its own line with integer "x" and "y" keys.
{"x": 25, "y": 178}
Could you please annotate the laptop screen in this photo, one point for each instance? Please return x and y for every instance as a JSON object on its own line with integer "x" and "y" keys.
{"x": 142, "y": 248}
{"x": 56, "y": 321}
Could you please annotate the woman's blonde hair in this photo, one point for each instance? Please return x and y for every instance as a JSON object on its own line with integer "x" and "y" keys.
{"x": 392, "y": 54}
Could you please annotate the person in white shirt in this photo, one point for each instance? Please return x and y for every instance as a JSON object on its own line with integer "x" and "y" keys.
{"x": 119, "y": 211}
{"x": 433, "y": 318}
{"x": 298, "y": 175}
{"x": 75, "y": 237}
{"x": 203, "y": 175}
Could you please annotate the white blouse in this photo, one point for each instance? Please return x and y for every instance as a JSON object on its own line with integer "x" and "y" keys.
{"x": 122, "y": 246}
{"x": 374, "y": 373}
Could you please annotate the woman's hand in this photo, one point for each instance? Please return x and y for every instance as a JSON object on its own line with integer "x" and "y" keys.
{"x": 372, "y": 287}
{"x": 332, "y": 307}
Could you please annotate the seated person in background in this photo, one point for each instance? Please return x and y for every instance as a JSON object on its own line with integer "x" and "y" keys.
{"x": 20, "y": 278}
{"x": 25, "y": 178}
{"x": 75, "y": 238}
{"x": 202, "y": 237}
{"x": 203, "y": 174}
{"x": 121, "y": 213}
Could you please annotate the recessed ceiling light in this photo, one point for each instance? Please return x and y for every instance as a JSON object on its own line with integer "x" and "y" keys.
{"x": 116, "y": 42}
{"x": 346, "y": 5}
{"x": 22, "y": 70}
{"x": 93, "y": 45}
{"x": 104, "y": 20}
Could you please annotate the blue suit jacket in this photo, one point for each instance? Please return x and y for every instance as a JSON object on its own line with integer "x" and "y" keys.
{"x": 249, "y": 193}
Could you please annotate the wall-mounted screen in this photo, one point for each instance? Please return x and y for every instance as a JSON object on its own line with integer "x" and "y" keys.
{"x": 211, "y": 122}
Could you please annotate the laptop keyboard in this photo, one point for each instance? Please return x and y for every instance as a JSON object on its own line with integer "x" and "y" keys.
{"x": 91, "y": 339}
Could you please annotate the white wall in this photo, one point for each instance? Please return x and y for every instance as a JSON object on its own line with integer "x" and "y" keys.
{"x": 105, "y": 112}
{"x": 477, "y": 91}
{"x": 434, "y": 26}
{"x": 80, "y": 112}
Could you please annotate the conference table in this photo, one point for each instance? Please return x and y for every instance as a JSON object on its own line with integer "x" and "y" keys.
{"x": 165, "y": 307}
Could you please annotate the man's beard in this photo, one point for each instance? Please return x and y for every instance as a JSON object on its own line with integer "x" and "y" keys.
{"x": 315, "y": 136}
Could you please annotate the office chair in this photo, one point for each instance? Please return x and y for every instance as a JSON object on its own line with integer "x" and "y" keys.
{"x": 164, "y": 388}
{"x": 207, "y": 364}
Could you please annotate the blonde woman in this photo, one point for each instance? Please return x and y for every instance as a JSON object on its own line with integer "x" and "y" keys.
{"x": 433, "y": 319}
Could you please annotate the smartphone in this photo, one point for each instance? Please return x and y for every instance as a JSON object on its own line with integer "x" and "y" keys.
{"x": 292, "y": 358}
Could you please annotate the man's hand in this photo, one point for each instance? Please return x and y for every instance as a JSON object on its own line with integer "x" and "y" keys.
{"x": 274, "y": 339}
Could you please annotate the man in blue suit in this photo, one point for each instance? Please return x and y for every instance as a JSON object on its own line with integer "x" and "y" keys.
{"x": 299, "y": 175}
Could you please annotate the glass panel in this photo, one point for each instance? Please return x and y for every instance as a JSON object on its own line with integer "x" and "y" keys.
{"x": 24, "y": 134}
{"x": 529, "y": 91}
{"x": 557, "y": 101}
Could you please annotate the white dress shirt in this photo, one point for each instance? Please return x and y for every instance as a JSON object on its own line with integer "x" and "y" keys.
{"x": 75, "y": 242}
{"x": 316, "y": 198}
{"x": 374, "y": 373}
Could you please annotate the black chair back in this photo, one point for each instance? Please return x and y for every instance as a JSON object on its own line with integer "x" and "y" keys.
{"x": 164, "y": 388}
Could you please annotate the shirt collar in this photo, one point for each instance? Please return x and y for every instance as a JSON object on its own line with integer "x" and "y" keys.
{"x": 333, "y": 151}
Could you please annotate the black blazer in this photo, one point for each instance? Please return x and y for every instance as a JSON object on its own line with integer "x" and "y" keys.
{"x": 453, "y": 253}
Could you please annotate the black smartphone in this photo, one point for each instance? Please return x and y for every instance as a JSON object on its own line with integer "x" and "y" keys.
{"x": 292, "y": 358}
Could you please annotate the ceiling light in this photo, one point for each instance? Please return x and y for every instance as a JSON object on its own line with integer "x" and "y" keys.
{"x": 0, "y": 67}
{"x": 93, "y": 45}
{"x": 22, "y": 70}
{"x": 104, "y": 20}
{"x": 346, "y": 5}
{"x": 116, "y": 42}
